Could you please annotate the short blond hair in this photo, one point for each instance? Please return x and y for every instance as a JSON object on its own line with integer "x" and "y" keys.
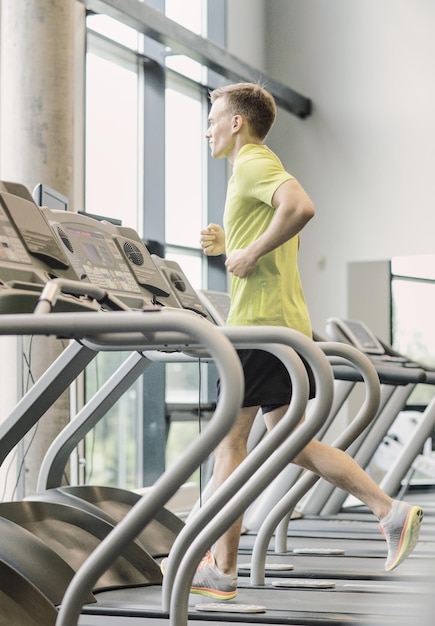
{"x": 252, "y": 101}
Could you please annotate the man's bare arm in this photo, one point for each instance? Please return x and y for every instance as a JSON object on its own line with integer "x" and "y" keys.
{"x": 293, "y": 211}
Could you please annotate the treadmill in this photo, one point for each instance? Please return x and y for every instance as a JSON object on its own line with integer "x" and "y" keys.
{"x": 276, "y": 612}
{"x": 143, "y": 603}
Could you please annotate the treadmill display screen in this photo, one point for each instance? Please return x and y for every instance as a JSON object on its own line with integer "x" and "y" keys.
{"x": 97, "y": 257}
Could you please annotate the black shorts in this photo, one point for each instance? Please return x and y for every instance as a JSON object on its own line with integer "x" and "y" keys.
{"x": 267, "y": 382}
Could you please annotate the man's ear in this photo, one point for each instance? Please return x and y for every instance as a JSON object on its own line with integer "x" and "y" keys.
{"x": 237, "y": 123}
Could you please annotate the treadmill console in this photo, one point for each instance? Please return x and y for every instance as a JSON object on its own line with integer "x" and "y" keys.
{"x": 39, "y": 244}
{"x": 217, "y": 304}
{"x": 28, "y": 253}
{"x": 356, "y": 333}
{"x": 32, "y": 233}
{"x": 109, "y": 256}
{"x": 183, "y": 293}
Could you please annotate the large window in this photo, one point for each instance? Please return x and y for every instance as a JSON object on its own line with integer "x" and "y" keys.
{"x": 192, "y": 15}
{"x": 111, "y": 191}
{"x": 185, "y": 176}
{"x": 186, "y": 383}
{"x": 111, "y": 451}
{"x": 116, "y": 187}
{"x": 413, "y": 331}
{"x": 112, "y": 130}
{"x": 184, "y": 165}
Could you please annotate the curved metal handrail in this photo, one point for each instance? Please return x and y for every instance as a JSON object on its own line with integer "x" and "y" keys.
{"x": 270, "y": 468}
{"x": 239, "y": 477}
{"x": 289, "y": 501}
{"x": 231, "y": 375}
{"x": 362, "y": 449}
{"x": 391, "y": 482}
{"x": 53, "y": 464}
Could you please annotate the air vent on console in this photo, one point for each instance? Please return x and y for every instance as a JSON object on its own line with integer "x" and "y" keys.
{"x": 133, "y": 253}
{"x": 177, "y": 281}
{"x": 66, "y": 240}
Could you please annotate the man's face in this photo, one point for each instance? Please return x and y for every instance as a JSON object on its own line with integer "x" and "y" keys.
{"x": 220, "y": 133}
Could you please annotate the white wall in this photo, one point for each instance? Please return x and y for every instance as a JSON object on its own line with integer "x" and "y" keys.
{"x": 367, "y": 153}
{"x": 245, "y": 31}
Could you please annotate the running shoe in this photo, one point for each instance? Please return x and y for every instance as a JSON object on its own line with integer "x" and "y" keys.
{"x": 210, "y": 581}
{"x": 400, "y": 528}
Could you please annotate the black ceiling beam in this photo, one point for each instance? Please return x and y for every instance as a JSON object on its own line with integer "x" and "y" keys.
{"x": 180, "y": 40}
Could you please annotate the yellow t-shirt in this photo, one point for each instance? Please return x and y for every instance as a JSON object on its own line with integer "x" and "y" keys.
{"x": 272, "y": 294}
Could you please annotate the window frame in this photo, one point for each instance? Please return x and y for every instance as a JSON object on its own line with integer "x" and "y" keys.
{"x": 149, "y": 60}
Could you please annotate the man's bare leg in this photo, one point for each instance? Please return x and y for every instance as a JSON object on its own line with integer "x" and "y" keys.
{"x": 338, "y": 468}
{"x": 228, "y": 455}
{"x": 399, "y": 522}
{"x": 332, "y": 464}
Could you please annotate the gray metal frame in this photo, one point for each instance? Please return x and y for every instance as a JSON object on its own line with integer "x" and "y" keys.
{"x": 54, "y": 462}
{"x": 42, "y": 394}
{"x": 261, "y": 466}
{"x": 164, "y": 487}
{"x": 392, "y": 480}
{"x": 329, "y": 500}
{"x": 167, "y": 330}
{"x": 286, "y": 505}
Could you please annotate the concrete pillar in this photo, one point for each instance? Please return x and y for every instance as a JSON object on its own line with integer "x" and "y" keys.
{"x": 37, "y": 145}
{"x": 37, "y": 92}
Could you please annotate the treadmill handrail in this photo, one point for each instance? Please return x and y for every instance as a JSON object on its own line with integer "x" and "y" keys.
{"x": 365, "y": 445}
{"x": 389, "y": 374}
{"x": 398, "y": 380}
{"x": 239, "y": 477}
{"x": 358, "y": 427}
{"x": 392, "y": 479}
{"x": 364, "y": 416}
{"x": 55, "y": 459}
{"x": 232, "y": 385}
{"x": 253, "y": 482}
{"x": 40, "y": 397}
{"x": 135, "y": 330}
